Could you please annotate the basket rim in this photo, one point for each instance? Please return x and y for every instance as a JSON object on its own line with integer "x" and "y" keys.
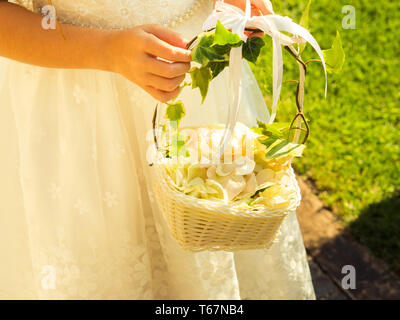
{"x": 258, "y": 210}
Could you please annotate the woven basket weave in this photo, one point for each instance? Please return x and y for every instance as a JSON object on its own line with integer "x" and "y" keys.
{"x": 199, "y": 224}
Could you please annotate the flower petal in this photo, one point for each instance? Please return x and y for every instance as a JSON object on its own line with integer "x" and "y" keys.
{"x": 212, "y": 173}
{"x": 265, "y": 175}
{"x": 244, "y": 166}
{"x": 195, "y": 170}
{"x": 233, "y": 185}
{"x": 224, "y": 169}
{"x": 220, "y": 191}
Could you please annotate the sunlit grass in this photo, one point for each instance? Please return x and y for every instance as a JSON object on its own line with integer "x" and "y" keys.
{"x": 353, "y": 153}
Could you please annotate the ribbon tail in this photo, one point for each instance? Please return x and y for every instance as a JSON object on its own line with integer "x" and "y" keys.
{"x": 235, "y": 87}
{"x": 277, "y": 60}
{"x": 277, "y": 70}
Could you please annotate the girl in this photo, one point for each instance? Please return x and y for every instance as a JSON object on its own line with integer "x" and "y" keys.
{"x": 78, "y": 219}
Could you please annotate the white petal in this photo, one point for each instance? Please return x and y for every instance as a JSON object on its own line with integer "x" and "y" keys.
{"x": 195, "y": 171}
{"x": 250, "y": 188}
{"x": 233, "y": 185}
{"x": 224, "y": 169}
{"x": 258, "y": 167}
{"x": 251, "y": 184}
{"x": 244, "y": 166}
{"x": 211, "y": 173}
{"x": 221, "y": 193}
{"x": 265, "y": 175}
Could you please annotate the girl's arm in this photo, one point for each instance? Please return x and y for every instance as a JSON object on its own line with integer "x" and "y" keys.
{"x": 133, "y": 53}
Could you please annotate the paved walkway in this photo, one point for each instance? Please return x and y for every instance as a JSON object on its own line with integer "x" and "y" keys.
{"x": 330, "y": 247}
{"x": 325, "y": 288}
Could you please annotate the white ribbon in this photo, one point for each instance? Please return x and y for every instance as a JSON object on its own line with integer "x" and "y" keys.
{"x": 235, "y": 19}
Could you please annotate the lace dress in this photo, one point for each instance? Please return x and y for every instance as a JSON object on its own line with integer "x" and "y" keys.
{"x": 78, "y": 219}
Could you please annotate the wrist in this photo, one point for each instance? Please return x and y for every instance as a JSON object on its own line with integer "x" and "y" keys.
{"x": 106, "y": 49}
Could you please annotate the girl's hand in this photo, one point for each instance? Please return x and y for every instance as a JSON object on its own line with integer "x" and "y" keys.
{"x": 139, "y": 54}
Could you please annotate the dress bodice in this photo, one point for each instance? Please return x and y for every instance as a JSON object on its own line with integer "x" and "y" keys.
{"x": 119, "y": 13}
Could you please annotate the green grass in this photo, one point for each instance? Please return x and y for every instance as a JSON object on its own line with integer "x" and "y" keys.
{"x": 353, "y": 154}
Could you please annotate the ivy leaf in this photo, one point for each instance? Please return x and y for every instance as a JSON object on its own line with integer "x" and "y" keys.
{"x": 223, "y": 50}
{"x": 217, "y": 67}
{"x": 175, "y": 112}
{"x": 201, "y": 78}
{"x": 178, "y": 147}
{"x": 334, "y": 57}
{"x": 259, "y": 191}
{"x": 268, "y": 141}
{"x": 251, "y": 48}
{"x": 203, "y": 52}
{"x": 223, "y": 36}
{"x": 282, "y": 148}
{"x": 277, "y": 129}
{"x": 304, "y": 22}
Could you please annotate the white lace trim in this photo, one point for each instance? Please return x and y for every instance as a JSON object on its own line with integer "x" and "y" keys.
{"x": 119, "y": 14}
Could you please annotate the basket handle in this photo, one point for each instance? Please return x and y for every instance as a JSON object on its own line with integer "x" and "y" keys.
{"x": 234, "y": 18}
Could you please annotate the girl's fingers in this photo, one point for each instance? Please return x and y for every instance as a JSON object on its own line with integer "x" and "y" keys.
{"x": 164, "y": 84}
{"x": 166, "y": 69}
{"x": 166, "y": 35}
{"x": 160, "y": 95}
{"x": 159, "y": 48}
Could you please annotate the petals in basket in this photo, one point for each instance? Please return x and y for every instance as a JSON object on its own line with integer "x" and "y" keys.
{"x": 233, "y": 185}
{"x": 220, "y": 191}
{"x": 275, "y": 196}
{"x": 225, "y": 169}
{"x": 244, "y": 166}
{"x": 212, "y": 173}
{"x": 251, "y": 187}
{"x": 195, "y": 170}
{"x": 265, "y": 175}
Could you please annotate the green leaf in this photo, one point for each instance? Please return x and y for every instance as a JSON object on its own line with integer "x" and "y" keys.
{"x": 276, "y": 147}
{"x": 277, "y": 129}
{"x": 334, "y": 57}
{"x": 178, "y": 147}
{"x": 217, "y": 67}
{"x": 223, "y": 36}
{"x": 251, "y": 48}
{"x": 282, "y": 148}
{"x": 203, "y": 52}
{"x": 175, "y": 112}
{"x": 286, "y": 152}
{"x": 268, "y": 141}
{"x": 304, "y": 22}
{"x": 259, "y": 191}
{"x": 223, "y": 50}
{"x": 201, "y": 78}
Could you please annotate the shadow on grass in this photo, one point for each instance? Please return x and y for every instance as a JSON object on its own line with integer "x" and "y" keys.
{"x": 378, "y": 227}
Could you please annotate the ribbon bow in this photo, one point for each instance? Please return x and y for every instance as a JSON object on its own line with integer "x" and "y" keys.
{"x": 235, "y": 19}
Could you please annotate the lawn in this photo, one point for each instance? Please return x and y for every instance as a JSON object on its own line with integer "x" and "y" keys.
{"x": 353, "y": 154}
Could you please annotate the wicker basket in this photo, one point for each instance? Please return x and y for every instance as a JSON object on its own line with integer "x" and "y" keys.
{"x": 199, "y": 224}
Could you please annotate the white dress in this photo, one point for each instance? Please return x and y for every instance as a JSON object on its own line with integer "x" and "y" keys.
{"x": 78, "y": 219}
